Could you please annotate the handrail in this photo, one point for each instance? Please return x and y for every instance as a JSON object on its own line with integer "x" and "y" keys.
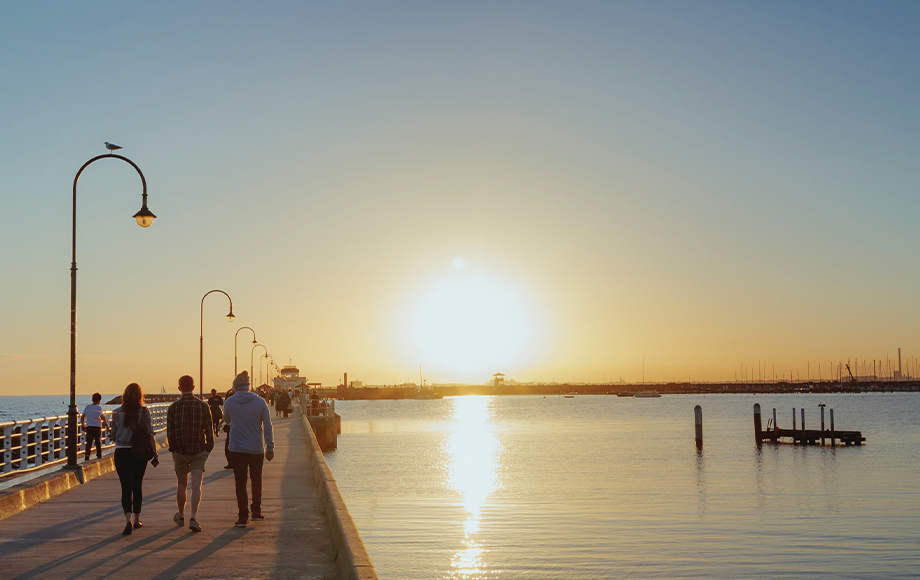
{"x": 324, "y": 407}
{"x": 28, "y": 444}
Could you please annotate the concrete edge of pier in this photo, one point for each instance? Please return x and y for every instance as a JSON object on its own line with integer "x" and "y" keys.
{"x": 34, "y": 491}
{"x": 351, "y": 557}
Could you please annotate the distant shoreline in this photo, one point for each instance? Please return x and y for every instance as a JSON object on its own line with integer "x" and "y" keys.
{"x": 408, "y": 392}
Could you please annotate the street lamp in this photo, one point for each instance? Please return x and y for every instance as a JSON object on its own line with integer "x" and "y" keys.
{"x": 276, "y": 368}
{"x": 144, "y": 218}
{"x": 230, "y": 318}
{"x": 266, "y": 356}
{"x": 234, "y": 345}
{"x": 251, "y": 351}
{"x": 269, "y": 357}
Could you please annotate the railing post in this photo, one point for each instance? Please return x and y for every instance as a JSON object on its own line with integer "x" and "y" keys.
{"x": 39, "y": 441}
{"x": 6, "y": 466}
{"x": 60, "y": 441}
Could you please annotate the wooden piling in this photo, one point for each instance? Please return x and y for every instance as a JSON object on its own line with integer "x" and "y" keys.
{"x": 758, "y": 431}
{"x": 822, "y": 424}
{"x": 794, "y": 437}
{"x": 833, "y": 435}
{"x": 698, "y": 419}
{"x": 804, "y": 442}
{"x": 775, "y": 426}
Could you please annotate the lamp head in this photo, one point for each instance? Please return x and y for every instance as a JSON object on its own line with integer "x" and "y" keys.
{"x": 144, "y": 217}
{"x": 230, "y": 316}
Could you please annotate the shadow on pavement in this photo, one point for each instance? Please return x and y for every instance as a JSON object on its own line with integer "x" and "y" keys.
{"x": 219, "y": 543}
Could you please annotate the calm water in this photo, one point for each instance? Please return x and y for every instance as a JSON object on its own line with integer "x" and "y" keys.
{"x": 20, "y": 408}
{"x": 609, "y": 487}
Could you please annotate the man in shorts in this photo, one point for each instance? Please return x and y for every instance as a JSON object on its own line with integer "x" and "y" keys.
{"x": 191, "y": 439}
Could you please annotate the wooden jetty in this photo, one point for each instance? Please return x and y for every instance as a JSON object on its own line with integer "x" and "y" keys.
{"x": 803, "y": 436}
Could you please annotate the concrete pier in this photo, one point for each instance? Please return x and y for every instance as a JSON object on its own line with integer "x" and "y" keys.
{"x": 77, "y": 534}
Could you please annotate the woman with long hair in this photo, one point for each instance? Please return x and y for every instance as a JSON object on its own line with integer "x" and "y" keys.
{"x": 125, "y": 419}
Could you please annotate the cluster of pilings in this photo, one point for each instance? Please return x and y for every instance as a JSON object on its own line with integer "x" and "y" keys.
{"x": 801, "y": 435}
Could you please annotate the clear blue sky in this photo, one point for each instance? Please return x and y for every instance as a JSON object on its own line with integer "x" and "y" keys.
{"x": 703, "y": 184}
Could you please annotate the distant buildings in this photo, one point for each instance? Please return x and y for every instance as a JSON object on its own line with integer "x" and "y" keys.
{"x": 290, "y": 379}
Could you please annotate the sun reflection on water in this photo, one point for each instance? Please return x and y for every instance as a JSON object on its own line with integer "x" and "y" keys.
{"x": 473, "y": 451}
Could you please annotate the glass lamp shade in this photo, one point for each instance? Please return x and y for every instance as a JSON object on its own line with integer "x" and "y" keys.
{"x": 230, "y": 317}
{"x": 144, "y": 217}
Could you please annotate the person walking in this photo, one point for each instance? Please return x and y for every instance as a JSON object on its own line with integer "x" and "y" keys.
{"x": 191, "y": 439}
{"x": 92, "y": 421}
{"x": 250, "y": 424}
{"x": 215, "y": 403}
{"x": 131, "y": 416}
{"x": 279, "y": 404}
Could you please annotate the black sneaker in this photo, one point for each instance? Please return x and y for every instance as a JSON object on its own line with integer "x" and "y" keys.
{"x": 258, "y": 517}
{"x": 241, "y": 523}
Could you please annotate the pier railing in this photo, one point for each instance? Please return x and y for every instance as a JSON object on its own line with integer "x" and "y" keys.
{"x": 317, "y": 407}
{"x": 32, "y": 443}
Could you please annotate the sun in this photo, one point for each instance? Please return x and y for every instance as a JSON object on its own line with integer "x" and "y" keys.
{"x": 469, "y": 325}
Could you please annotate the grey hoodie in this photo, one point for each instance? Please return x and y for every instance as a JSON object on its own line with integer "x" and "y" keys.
{"x": 250, "y": 421}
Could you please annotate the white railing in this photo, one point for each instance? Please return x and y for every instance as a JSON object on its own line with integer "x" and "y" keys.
{"x": 316, "y": 407}
{"x": 32, "y": 443}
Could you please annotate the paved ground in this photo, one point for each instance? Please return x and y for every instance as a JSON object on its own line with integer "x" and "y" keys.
{"x": 78, "y": 533}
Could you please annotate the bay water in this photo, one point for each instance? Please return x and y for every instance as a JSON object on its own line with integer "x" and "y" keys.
{"x": 20, "y": 408}
{"x": 599, "y": 486}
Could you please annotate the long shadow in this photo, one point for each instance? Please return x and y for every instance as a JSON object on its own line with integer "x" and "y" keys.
{"x": 66, "y": 559}
{"x": 134, "y": 546}
{"x": 219, "y": 543}
{"x": 59, "y": 529}
{"x": 295, "y": 478}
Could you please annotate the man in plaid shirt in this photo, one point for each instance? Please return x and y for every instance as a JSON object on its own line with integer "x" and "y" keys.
{"x": 191, "y": 439}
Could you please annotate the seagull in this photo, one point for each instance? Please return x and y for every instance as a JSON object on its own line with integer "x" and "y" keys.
{"x": 112, "y": 146}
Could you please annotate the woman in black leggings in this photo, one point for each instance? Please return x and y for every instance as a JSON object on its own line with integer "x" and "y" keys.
{"x": 131, "y": 469}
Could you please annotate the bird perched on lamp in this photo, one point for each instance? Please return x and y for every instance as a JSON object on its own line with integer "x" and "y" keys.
{"x": 111, "y": 146}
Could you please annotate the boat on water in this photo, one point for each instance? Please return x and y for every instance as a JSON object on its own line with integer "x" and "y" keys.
{"x": 569, "y": 396}
{"x": 647, "y": 394}
{"x": 625, "y": 394}
{"x": 427, "y": 394}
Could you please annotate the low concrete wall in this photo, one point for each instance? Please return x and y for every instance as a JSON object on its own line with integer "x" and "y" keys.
{"x": 351, "y": 556}
{"x": 20, "y": 497}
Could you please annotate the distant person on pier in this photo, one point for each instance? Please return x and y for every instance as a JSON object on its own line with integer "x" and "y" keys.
{"x": 215, "y": 403}
{"x": 189, "y": 430}
{"x": 92, "y": 421}
{"x": 282, "y": 402}
{"x": 132, "y": 416}
{"x": 250, "y": 424}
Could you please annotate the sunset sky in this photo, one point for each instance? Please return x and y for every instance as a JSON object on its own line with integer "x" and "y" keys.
{"x": 551, "y": 190}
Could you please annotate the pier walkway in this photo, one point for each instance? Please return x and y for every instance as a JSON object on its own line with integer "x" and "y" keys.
{"x": 77, "y": 534}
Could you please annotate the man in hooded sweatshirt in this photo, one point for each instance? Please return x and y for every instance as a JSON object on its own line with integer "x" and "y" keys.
{"x": 250, "y": 424}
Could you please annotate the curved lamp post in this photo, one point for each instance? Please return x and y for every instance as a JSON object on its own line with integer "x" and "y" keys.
{"x": 144, "y": 218}
{"x": 276, "y": 368}
{"x": 230, "y": 318}
{"x": 254, "y": 341}
{"x": 251, "y": 351}
{"x": 269, "y": 357}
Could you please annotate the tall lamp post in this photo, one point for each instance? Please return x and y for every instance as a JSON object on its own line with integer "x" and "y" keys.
{"x": 230, "y": 318}
{"x": 251, "y": 351}
{"x": 276, "y": 369}
{"x": 267, "y": 362}
{"x": 144, "y": 218}
{"x": 254, "y": 341}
